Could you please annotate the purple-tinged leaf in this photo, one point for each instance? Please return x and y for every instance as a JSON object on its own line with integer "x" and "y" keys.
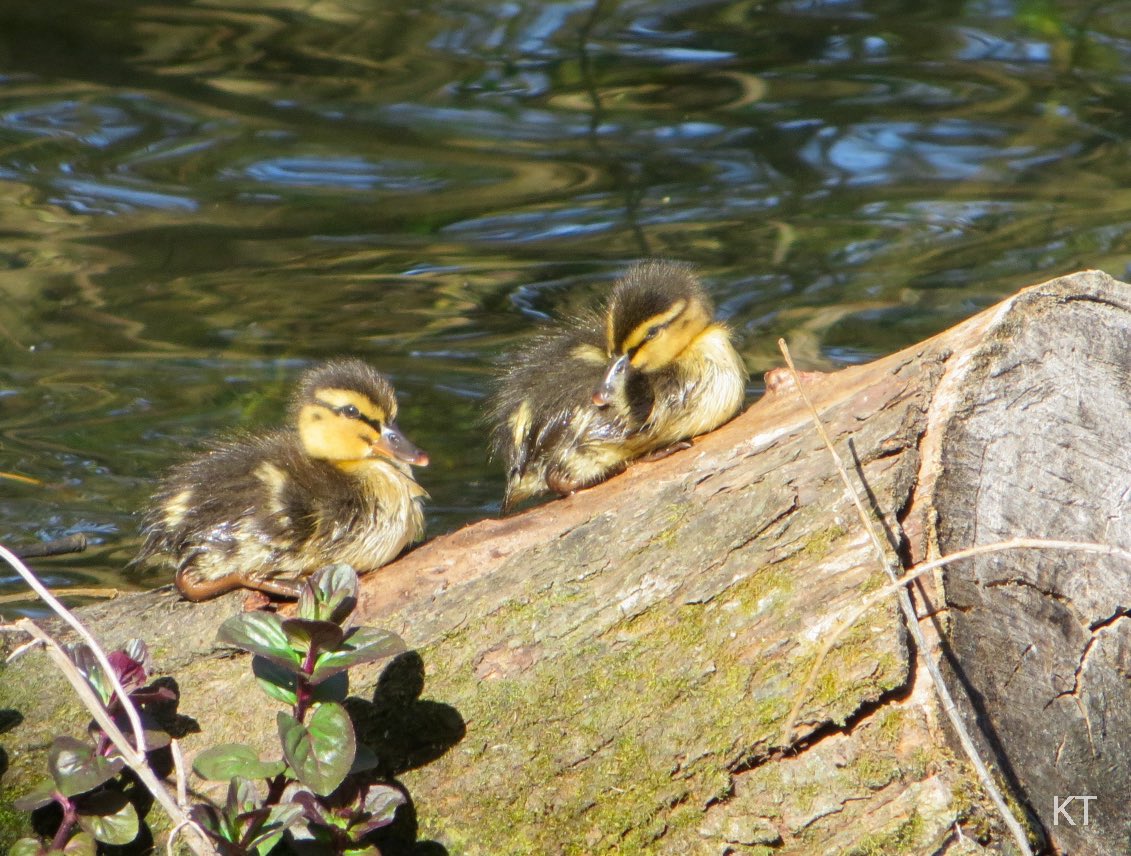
{"x": 261, "y": 633}
{"x": 77, "y": 768}
{"x": 109, "y": 817}
{"x": 222, "y": 763}
{"x": 313, "y": 808}
{"x": 131, "y": 674}
{"x": 322, "y": 751}
{"x": 305, "y": 635}
{"x": 329, "y": 595}
{"x": 361, "y": 645}
{"x": 153, "y": 694}
{"x": 380, "y": 805}
{"x": 44, "y": 794}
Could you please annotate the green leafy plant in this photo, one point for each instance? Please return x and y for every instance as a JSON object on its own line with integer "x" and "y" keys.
{"x": 87, "y": 779}
{"x": 316, "y": 793}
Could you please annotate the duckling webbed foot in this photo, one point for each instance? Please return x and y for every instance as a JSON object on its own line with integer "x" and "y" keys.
{"x": 196, "y": 588}
{"x": 566, "y": 485}
{"x": 660, "y": 454}
{"x": 288, "y": 588}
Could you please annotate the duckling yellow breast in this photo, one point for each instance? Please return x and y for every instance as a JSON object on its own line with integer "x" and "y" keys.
{"x": 392, "y": 517}
{"x": 707, "y": 388}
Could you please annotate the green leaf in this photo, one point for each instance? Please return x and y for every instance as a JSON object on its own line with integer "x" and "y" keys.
{"x": 109, "y": 816}
{"x": 321, "y": 752}
{"x": 280, "y": 684}
{"x": 27, "y": 847}
{"x": 84, "y": 660}
{"x": 242, "y": 796}
{"x": 361, "y": 645}
{"x": 329, "y": 595}
{"x": 305, "y": 635}
{"x": 43, "y": 794}
{"x": 77, "y": 768}
{"x": 281, "y": 818}
{"x": 221, "y": 763}
{"x": 261, "y": 633}
{"x": 81, "y": 845}
{"x": 365, "y": 759}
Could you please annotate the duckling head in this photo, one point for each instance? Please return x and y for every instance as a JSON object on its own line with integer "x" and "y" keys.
{"x": 346, "y": 412}
{"x": 656, "y": 310}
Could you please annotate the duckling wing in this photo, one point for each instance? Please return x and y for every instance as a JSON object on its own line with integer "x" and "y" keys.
{"x": 241, "y": 492}
{"x": 543, "y": 401}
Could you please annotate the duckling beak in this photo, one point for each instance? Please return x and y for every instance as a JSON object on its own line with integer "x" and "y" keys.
{"x": 605, "y": 391}
{"x": 396, "y": 445}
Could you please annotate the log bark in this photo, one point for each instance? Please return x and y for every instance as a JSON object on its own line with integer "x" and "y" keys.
{"x": 614, "y": 671}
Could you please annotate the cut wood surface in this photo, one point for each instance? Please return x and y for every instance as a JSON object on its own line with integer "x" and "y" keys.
{"x": 613, "y": 671}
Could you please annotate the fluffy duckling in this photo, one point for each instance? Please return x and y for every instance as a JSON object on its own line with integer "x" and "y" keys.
{"x": 640, "y": 377}
{"x": 263, "y": 512}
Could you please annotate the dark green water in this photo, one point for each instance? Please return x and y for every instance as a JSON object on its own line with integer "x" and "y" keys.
{"x": 198, "y": 199}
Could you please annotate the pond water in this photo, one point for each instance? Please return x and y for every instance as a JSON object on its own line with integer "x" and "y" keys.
{"x": 199, "y": 199}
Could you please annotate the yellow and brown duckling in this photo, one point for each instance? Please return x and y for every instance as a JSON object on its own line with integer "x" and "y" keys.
{"x": 638, "y": 378}
{"x": 265, "y": 511}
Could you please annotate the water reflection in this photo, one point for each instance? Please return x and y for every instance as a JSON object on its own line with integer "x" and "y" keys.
{"x": 198, "y": 202}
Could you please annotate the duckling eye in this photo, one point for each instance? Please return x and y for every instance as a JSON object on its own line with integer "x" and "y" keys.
{"x": 652, "y": 333}
{"x": 350, "y": 411}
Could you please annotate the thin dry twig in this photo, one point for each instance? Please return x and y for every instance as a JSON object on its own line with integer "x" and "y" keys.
{"x": 40, "y": 589}
{"x": 894, "y": 569}
{"x": 58, "y": 547}
{"x": 179, "y": 767}
{"x": 77, "y": 591}
{"x": 856, "y": 611}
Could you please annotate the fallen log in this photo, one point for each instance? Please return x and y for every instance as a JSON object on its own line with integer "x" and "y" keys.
{"x": 614, "y": 671}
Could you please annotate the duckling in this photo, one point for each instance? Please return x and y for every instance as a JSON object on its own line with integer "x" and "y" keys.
{"x": 263, "y": 512}
{"x": 637, "y": 379}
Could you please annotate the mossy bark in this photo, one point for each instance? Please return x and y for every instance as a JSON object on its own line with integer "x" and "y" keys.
{"x": 613, "y": 672}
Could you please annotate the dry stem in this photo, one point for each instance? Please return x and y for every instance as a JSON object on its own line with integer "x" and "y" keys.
{"x": 893, "y": 568}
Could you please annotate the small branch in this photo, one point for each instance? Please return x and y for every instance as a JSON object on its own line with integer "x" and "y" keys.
{"x": 58, "y": 547}
{"x": 179, "y": 768}
{"x": 32, "y": 580}
{"x": 893, "y": 568}
{"x": 78, "y": 591}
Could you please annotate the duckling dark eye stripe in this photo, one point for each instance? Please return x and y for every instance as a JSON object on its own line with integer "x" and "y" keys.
{"x": 375, "y": 424}
{"x": 648, "y": 336}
